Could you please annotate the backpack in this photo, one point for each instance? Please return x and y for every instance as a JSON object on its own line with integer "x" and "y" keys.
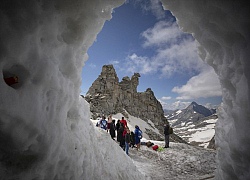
{"x": 103, "y": 124}
{"x": 139, "y": 134}
{"x": 155, "y": 147}
{"x": 171, "y": 131}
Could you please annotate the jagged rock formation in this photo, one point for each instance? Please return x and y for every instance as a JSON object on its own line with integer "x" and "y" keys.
{"x": 108, "y": 95}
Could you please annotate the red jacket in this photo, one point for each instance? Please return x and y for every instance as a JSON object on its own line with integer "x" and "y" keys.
{"x": 124, "y": 122}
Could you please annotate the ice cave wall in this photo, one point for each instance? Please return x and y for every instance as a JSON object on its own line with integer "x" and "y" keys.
{"x": 45, "y": 132}
{"x": 222, "y": 29}
{"x": 44, "y": 43}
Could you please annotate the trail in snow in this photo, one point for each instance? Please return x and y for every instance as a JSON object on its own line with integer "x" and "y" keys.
{"x": 178, "y": 162}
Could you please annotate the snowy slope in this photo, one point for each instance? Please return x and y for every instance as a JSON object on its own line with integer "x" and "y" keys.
{"x": 180, "y": 161}
{"x": 196, "y": 133}
{"x": 195, "y": 124}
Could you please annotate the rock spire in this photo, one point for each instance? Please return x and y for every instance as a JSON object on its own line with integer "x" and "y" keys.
{"x": 108, "y": 95}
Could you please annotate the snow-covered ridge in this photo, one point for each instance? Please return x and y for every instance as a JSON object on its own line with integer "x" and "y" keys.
{"x": 196, "y": 133}
{"x": 194, "y": 127}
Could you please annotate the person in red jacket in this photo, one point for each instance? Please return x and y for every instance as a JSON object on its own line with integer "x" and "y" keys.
{"x": 124, "y": 122}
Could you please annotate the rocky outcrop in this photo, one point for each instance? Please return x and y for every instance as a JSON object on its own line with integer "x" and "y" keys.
{"x": 211, "y": 144}
{"x": 108, "y": 95}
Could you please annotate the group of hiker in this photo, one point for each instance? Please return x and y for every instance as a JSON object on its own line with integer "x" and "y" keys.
{"x": 121, "y": 131}
{"x": 127, "y": 138}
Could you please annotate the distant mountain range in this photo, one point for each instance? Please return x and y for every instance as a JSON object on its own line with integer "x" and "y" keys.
{"x": 193, "y": 113}
{"x": 195, "y": 124}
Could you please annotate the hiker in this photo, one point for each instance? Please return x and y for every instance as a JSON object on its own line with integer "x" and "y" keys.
{"x": 120, "y": 135}
{"x": 109, "y": 122}
{"x": 103, "y": 123}
{"x": 138, "y": 136}
{"x": 123, "y": 121}
{"x": 132, "y": 139}
{"x": 127, "y": 141}
{"x": 166, "y": 133}
{"x": 117, "y": 126}
{"x": 123, "y": 137}
{"x": 112, "y": 129}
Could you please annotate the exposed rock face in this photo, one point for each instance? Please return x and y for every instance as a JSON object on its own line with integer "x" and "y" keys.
{"x": 211, "y": 144}
{"x": 108, "y": 95}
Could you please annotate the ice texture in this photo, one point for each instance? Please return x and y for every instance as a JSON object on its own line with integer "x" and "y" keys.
{"x": 45, "y": 130}
{"x": 222, "y": 29}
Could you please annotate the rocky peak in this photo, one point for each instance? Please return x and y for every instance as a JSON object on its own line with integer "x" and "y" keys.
{"x": 193, "y": 113}
{"x": 200, "y": 109}
{"x": 108, "y": 95}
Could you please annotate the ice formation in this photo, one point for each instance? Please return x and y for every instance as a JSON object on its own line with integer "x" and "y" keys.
{"x": 222, "y": 29}
{"x": 44, "y": 131}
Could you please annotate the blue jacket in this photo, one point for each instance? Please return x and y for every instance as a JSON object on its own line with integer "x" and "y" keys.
{"x": 137, "y": 139}
{"x": 103, "y": 124}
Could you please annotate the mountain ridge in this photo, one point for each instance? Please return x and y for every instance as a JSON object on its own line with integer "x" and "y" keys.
{"x": 195, "y": 124}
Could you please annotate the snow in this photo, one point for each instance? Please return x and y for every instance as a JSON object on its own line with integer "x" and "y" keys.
{"x": 178, "y": 112}
{"x": 46, "y": 132}
{"x": 180, "y": 161}
{"x": 221, "y": 29}
{"x": 132, "y": 121}
{"x": 201, "y": 133}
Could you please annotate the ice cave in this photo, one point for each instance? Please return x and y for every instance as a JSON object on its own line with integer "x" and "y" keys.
{"x": 43, "y": 46}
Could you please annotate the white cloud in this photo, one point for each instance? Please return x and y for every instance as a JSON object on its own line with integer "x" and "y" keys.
{"x": 157, "y": 9}
{"x": 175, "y": 105}
{"x": 175, "y": 52}
{"x": 114, "y": 62}
{"x": 141, "y": 64}
{"x": 205, "y": 85}
{"x": 92, "y": 66}
{"x": 161, "y": 34}
{"x": 166, "y": 98}
{"x": 154, "y": 6}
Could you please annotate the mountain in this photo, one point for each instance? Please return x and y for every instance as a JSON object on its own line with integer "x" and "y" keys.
{"x": 167, "y": 111}
{"x": 109, "y": 96}
{"x": 195, "y": 124}
{"x": 193, "y": 113}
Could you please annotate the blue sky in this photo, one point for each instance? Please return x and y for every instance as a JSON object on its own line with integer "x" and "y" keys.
{"x": 142, "y": 37}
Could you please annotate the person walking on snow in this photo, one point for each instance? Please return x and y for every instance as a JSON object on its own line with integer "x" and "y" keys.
{"x": 117, "y": 126}
{"x": 138, "y": 134}
{"x": 109, "y": 122}
{"x": 103, "y": 123}
{"x": 166, "y": 133}
{"x": 112, "y": 129}
{"x": 123, "y": 121}
{"x": 120, "y": 137}
{"x": 127, "y": 141}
